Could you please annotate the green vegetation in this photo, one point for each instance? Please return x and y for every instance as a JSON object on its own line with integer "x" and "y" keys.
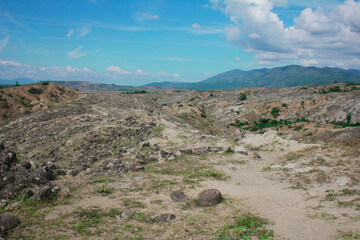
{"x": 35, "y": 91}
{"x": 105, "y": 189}
{"x": 136, "y": 92}
{"x": 275, "y": 112}
{"x": 193, "y": 99}
{"x": 44, "y": 83}
{"x": 267, "y": 123}
{"x": 246, "y": 226}
{"x": 91, "y": 218}
{"x": 348, "y": 118}
{"x": 203, "y": 113}
{"x": 242, "y": 97}
{"x": 345, "y": 125}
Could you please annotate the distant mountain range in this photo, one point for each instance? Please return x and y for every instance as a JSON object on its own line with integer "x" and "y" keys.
{"x": 288, "y": 76}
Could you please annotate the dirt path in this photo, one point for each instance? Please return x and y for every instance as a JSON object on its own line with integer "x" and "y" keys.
{"x": 288, "y": 209}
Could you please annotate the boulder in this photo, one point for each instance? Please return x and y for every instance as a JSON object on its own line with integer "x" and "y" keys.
{"x": 165, "y": 217}
{"x": 179, "y": 196}
{"x": 200, "y": 150}
{"x": 228, "y": 150}
{"x": 241, "y": 150}
{"x": 257, "y": 156}
{"x": 128, "y": 213}
{"x": 209, "y": 197}
{"x": 187, "y": 151}
{"x": 7, "y": 221}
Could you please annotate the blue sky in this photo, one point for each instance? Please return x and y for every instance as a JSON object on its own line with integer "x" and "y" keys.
{"x": 137, "y": 42}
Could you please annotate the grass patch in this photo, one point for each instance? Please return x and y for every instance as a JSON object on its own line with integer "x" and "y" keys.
{"x": 90, "y": 218}
{"x": 104, "y": 189}
{"x": 246, "y": 226}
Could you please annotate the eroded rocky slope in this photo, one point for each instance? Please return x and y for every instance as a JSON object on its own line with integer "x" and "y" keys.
{"x": 121, "y": 166}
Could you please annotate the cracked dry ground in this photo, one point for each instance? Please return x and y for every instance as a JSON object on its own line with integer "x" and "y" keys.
{"x": 124, "y": 155}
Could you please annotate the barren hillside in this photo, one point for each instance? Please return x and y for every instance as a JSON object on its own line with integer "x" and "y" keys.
{"x": 33, "y": 97}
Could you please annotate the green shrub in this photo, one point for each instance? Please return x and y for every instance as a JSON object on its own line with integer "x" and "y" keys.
{"x": 35, "y": 91}
{"x": 275, "y": 112}
{"x": 44, "y": 83}
{"x": 247, "y": 226}
{"x": 348, "y": 117}
{"x": 242, "y": 97}
{"x": 335, "y": 89}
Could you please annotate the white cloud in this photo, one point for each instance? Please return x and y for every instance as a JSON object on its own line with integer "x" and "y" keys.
{"x": 8, "y": 63}
{"x": 70, "y": 33}
{"x": 331, "y": 36}
{"x": 238, "y": 59}
{"x": 10, "y": 70}
{"x": 196, "y": 25}
{"x": 84, "y": 30}
{"x": 147, "y": 16}
{"x": 140, "y": 72}
{"x": 3, "y": 43}
{"x": 76, "y": 53}
{"x": 117, "y": 70}
{"x": 198, "y": 29}
{"x": 310, "y": 62}
{"x": 162, "y": 74}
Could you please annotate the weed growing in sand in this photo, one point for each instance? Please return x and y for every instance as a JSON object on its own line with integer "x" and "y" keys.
{"x": 246, "y": 226}
{"x": 105, "y": 189}
{"x": 91, "y": 218}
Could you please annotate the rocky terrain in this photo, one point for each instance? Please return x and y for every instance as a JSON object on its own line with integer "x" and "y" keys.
{"x": 246, "y": 164}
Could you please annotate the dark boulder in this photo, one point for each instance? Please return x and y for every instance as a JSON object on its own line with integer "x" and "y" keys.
{"x": 209, "y": 197}
{"x": 7, "y": 222}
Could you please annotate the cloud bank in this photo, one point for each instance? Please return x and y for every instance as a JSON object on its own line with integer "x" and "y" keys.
{"x": 317, "y": 37}
{"x": 113, "y": 74}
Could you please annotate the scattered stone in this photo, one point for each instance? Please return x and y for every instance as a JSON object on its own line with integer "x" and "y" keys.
{"x": 187, "y": 151}
{"x": 65, "y": 192}
{"x": 209, "y": 197}
{"x": 200, "y": 150}
{"x": 152, "y": 158}
{"x": 241, "y": 150}
{"x": 146, "y": 144}
{"x": 27, "y": 165}
{"x": 156, "y": 148}
{"x": 7, "y": 222}
{"x": 214, "y": 149}
{"x": 140, "y": 159}
{"x": 257, "y": 155}
{"x": 165, "y": 217}
{"x": 128, "y": 213}
{"x": 72, "y": 172}
{"x": 228, "y": 150}
{"x": 179, "y": 196}
{"x": 33, "y": 165}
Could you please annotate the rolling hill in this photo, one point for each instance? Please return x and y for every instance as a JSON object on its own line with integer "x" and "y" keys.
{"x": 288, "y": 76}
